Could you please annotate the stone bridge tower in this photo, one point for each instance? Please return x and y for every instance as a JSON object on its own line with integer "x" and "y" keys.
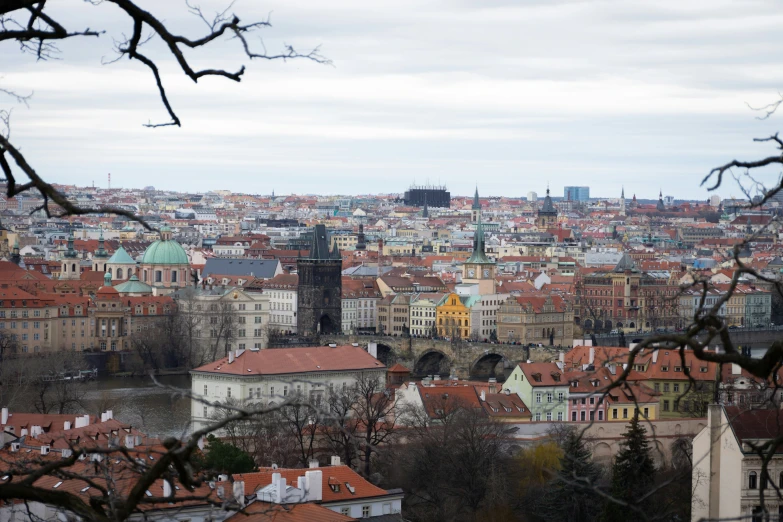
{"x": 320, "y": 287}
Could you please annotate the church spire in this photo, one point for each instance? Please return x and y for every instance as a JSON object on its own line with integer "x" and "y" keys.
{"x": 476, "y": 202}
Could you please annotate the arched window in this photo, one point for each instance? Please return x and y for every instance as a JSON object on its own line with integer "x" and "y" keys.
{"x": 73, "y": 267}
{"x": 173, "y": 276}
{"x": 145, "y": 276}
{"x": 752, "y": 477}
{"x": 119, "y": 273}
{"x": 158, "y": 276}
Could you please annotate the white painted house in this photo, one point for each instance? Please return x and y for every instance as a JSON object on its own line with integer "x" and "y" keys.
{"x": 727, "y": 475}
{"x": 269, "y": 376}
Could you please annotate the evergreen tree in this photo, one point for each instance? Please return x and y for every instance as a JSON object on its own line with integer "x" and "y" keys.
{"x": 222, "y": 457}
{"x": 571, "y": 496}
{"x": 633, "y": 473}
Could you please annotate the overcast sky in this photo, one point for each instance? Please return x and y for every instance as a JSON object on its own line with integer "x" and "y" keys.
{"x": 508, "y": 95}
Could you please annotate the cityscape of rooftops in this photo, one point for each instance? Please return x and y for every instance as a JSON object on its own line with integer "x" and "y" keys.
{"x": 398, "y": 262}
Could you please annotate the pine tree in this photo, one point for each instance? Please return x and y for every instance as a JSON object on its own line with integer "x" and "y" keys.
{"x": 571, "y": 496}
{"x": 633, "y": 473}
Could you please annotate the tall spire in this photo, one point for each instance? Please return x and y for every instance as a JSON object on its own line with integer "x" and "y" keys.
{"x": 476, "y": 202}
{"x": 101, "y": 247}
{"x": 70, "y": 252}
{"x": 478, "y": 255}
{"x": 622, "y": 192}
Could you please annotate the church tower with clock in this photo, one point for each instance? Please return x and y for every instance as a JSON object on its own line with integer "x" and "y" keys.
{"x": 479, "y": 269}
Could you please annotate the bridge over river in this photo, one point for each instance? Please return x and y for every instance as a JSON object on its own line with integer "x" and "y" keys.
{"x": 484, "y": 360}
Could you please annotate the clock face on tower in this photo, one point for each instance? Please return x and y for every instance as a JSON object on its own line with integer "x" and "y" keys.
{"x": 471, "y": 273}
{"x": 486, "y": 272}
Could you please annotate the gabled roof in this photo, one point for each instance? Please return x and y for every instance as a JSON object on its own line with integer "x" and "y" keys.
{"x": 295, "y": 360}
{"x": 260, "y": 268}
{"x": 341, "y": 475}
{"x": 121, "y": 257}
{"x": 625, "y": 264}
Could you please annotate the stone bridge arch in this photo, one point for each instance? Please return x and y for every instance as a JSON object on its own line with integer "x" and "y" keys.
{"x": 432, "y": 362}
{"x": 489, "y": 365}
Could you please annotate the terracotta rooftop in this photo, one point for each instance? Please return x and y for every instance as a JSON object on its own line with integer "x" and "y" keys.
{"x": 294, "y": 360}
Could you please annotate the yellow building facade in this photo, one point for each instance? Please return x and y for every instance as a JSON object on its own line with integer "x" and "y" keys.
{"x": 453, "y": 317}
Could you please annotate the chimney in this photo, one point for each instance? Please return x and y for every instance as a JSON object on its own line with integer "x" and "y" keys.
{"x": 35, "y": 431}
{"x": 613, "y": 369}
{"x": 372, "y": 349}
{"x": 129, "y": 441}
{"x": 313, "y": 463}
{"x": 483, "y": 395}
{"x": 67, "y": 425}
{"x": 655, "y": 356}
{"x": 280, "y": 490}
{"x": 167, "y": 489}
{"x": 24, "y": 432}
{"x": 335, "y": 460}
{"x": 592, "y": 355}
{"x": 15, "y": 447}
{"x": 44, "y": 450}
{"x": 4, "y": 416}
{"x": 561, "y": 357}
{"x": 314, "y": 480}
{"x": 239, "y": 492}
{"x": 230, "y": 357}
{"x": 301, "y": 485}
{"x": 736, "y": 369}
{"x": 66, "y": 452}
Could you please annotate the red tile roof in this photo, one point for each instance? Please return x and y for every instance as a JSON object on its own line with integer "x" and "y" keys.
{"x": 295, "y": 360}
{"x": 331, "y": 475}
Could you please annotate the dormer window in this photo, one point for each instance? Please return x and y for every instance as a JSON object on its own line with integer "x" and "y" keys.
{"x": 664, "y": 368}
{"x": 677, "y": 369}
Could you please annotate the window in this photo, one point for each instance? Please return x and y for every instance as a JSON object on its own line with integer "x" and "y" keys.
{"x": 205, "y": 390}
{"x": 206, "y": 411}
{"x": 646, "y": 412}
{"x": 614, "y": 413}
{"x": 560, "y": 397}
{"x": 549, "y": 416}
{"x": 228, "y": 391}
{"x": 666, "y": 387}
{"x": 538, "y": 416}
{"x": 625, "y": 413}
{"x": 272, "y": 391}
{"x": 582, "y": 415}
{"x": 538, "y": 398}
{"x": 560, "y": 416}
{"x": 366, "y": 511}
{"x": 665, "y": 405}
{"x": 549, "y": 397}
{"x": 345, "y": 511}
{"x": 676, "y": 387}
{"x": 752, "y": 477}
{"x": 600, "y": 415}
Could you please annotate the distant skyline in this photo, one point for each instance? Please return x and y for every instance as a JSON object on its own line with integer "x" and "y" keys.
{"x": 509, "y": 95}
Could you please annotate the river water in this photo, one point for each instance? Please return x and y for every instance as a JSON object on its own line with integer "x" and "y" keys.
{"x": 154, "y": 410}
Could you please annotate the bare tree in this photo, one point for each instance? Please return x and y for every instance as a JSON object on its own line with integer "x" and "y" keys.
{"x": 55, "y": 387}
{"x": 376, "y": 413}
{"x": 35, "y": 27}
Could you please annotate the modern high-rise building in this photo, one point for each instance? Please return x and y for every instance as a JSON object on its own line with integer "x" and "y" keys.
{"x": 430, "y": 195}
{"x": 576, "y": 193}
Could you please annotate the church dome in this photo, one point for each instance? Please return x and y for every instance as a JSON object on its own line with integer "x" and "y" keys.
{"x": 165, "y": 252}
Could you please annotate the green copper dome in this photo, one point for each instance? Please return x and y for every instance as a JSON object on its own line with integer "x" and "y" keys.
{"x": 133, "y": 286}
{"x": 165, "y": 252}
